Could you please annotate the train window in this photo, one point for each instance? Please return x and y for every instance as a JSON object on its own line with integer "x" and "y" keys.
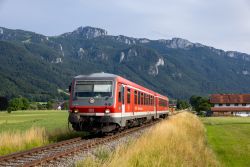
{"x": 142, "y": 98}
{"x": 145, "y": 99}
{"x": 148, "y": 99}
{"x": 139, "y": 97}
{"x": 135, "y": 97}
{"x": 120, "y": 94}
{"x": 128, "y": 95}
{"x": 162, "y": 102}
{"x": 97, "y": 89}
{"x": 151, "y": 100}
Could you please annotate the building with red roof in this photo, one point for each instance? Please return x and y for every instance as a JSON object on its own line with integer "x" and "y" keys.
{"x": 230, "y": 104}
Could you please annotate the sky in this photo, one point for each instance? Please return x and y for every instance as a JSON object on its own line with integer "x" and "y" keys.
{"x": 223, "y": 24}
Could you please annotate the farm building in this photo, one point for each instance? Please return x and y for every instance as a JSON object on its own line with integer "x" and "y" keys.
{"x": 230, "y": 104}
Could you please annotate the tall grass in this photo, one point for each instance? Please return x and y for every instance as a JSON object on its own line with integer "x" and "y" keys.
{"x": 178, "y": 141}
{"x": 16, "y": 140}
{"x": 13, "y": 141}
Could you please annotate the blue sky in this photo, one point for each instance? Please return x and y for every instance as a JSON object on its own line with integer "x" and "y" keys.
{"x": 224, "y": 24}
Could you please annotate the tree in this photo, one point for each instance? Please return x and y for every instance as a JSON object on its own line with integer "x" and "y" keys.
{"x": 25, "y": 102}
{"x": 41, "y": 107}
{"x": 15, "y": 104}
{"x": 193, "y": 100}
{"x": 182, "y": 104}
{"x": 49, "y": 105}
{"x": 200, "y": 103}
{"x": 18, "y": 104}
{"x": 3, "y": 103}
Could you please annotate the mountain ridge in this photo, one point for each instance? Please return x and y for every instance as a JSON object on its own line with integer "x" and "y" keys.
{"x": 88, "y": 32}
{"x": 176, "y": 67}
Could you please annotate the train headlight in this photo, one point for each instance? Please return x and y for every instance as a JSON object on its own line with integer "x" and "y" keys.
{"x": 107, "y": 111}
{"x": 76, "y": 111}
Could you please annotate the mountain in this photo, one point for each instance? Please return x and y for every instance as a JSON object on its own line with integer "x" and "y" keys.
{"x": 37, "y": 66}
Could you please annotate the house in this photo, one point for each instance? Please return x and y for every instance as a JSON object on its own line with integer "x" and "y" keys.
{"x": 230, "y": 104}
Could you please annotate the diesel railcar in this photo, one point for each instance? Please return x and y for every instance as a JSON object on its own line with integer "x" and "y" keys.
{"x": 103, "y": 102}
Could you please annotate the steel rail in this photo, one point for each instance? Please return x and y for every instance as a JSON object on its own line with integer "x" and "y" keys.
{"x": 85, "y": 146}
{"x": 16, "y": 155}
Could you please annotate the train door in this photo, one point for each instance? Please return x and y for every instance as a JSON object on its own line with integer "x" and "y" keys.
{"x": 128, "y": 101}
{"x": 121, "y": 98}
{"x": 121, "y": 102}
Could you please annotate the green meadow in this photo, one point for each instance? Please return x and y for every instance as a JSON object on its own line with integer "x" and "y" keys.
{"x": 24, "y": 120}
{"x": 22, "y": 130}
{"x": 229, "y": 137}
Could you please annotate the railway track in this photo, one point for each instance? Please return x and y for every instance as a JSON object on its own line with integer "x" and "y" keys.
{"x": 42, "y": 156}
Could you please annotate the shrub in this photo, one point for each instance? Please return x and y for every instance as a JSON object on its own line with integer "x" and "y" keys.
{"x": 41, "y": 107}
{"x": 182, "y": 104}
{"x": 49, "y": 105}
{"x": 18, "y": 104}
{"x": 33, "y": 106}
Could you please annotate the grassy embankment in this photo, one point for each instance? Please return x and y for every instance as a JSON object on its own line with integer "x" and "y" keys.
{"x": 178, "y": 141}
{"x": 229, "y": 137}
{"x": 22, "y": 130}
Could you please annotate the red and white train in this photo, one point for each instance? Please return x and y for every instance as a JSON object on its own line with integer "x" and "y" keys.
{"x": 103, "y": 102}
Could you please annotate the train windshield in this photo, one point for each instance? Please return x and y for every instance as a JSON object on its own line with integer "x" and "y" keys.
{"x": 97, "y": 89}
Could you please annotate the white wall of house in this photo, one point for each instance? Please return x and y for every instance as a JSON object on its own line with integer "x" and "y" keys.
{"x": 242, "y": 114}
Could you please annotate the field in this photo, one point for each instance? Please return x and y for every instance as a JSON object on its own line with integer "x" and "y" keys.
{"x": 22, "y": 130}
{"x": 182, "y": 137}
{"x": 229, "y": 137}
{"x": 24, "y": 120}
{"x": 177, "y": 141}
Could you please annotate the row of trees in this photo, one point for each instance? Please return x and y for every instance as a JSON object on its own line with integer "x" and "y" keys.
{"x": 196, "y": 103}
{"x": 22, "y": 103}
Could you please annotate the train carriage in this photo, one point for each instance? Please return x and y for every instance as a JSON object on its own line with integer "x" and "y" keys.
{"x": 103, "y": 102}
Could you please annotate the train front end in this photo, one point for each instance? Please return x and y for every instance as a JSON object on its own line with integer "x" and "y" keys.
{"x": 92, "y": 100}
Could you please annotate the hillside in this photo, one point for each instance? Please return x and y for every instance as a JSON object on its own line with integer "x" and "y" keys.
{"x": 36, "y": 66}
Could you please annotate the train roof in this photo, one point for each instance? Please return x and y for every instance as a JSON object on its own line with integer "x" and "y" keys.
{"x": 97, "y": 75}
